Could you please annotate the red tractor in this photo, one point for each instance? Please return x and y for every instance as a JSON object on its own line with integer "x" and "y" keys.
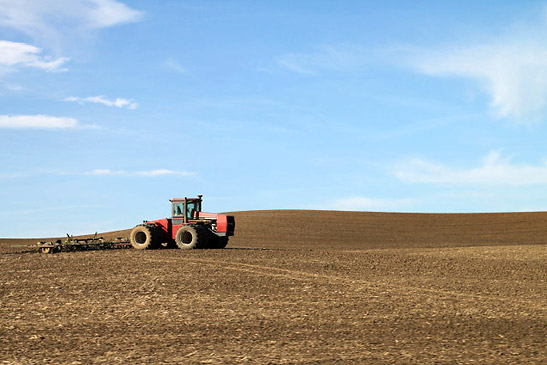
{"x": 188, "y": 228}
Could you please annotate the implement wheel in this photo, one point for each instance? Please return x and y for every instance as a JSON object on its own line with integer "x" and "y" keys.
{"x": 190, "y": 237}
{"x": 46, "y": 250}
{"x": 144, "y": 237}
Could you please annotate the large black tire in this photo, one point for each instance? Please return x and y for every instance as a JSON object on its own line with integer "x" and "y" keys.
{"x": 144, "y": 237}
{"x": 218, "y": 242}
{"x": 191, "y": 237}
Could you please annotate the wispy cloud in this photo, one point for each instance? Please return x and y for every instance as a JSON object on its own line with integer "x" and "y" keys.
{"x": 163, "y": 172}
{"x": 107, "y": 13}
{"x": 37, "y": 122}
{"x": 360, "y": 203}
{"x": 104, "y": 172}
{"x": 101, "y": 99}
{"x": 46, "y": 209}
{"x": 14, "y": 55}
{"x": 327, "y": 57}
{"x": 98, "y": 172}
{"x": 511, "y": 69}
{"x": 174, "y": 65}
{"x": 12, "y": 87}
{"x": 51, "y": 20}
{"x": 148, "y": 173}
{"x": 243, "y": 103}
{"x": 494, "y": 170}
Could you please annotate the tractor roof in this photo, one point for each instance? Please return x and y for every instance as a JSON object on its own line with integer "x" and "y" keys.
{"x": 181, "y": 200}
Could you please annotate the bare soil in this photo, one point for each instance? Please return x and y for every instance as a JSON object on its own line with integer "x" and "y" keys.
{"x": 292, "y": 287}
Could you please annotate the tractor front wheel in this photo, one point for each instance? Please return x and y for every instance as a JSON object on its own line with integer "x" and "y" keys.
{"x": 143, "y": 237}
{"x": 190, "y": 237}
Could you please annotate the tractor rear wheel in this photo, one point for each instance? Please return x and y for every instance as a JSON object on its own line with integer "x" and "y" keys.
{"x": 144, "y": 237}
{"x": 190, "y": 237}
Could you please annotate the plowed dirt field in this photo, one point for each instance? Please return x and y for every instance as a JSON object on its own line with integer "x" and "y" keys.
{"x": 292, "y": 287}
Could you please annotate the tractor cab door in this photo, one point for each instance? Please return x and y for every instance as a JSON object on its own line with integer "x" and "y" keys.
{"x": 178, "y": 209}
{"x": 192, "y": 209}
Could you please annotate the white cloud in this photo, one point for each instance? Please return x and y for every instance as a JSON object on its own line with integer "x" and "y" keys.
{"x": 493, "y": 171}
{"x": 511, "y": 69}
{"x": 107, "y": 13}
{"x": 37, "y": 122}
{"x": 163, "y": 172}
{"x": 328, "y": 57}
{"x": 149, "y": 173}
{"x": 360, "y": 203}
{"x": 100, "y": 99}
{"x": 15, "y": 54}
{"x": 51, "y": 18}
{"x": 104, "y": 172}
{"x": 54, "y": 24}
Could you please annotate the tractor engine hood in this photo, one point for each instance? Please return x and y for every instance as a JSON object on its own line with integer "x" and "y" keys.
{"x": 225, "y": 224}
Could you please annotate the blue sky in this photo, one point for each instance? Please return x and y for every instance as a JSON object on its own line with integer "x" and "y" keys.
{"x": 110, "y": 108}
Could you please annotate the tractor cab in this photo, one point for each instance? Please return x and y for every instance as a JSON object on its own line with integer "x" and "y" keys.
{"x": 187, "y": 208}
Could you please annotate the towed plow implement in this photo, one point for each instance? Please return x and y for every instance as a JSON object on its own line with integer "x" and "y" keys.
{"x": 80, "y": 244}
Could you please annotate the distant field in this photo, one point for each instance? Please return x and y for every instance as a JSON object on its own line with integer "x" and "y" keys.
{"x": 292, "y": 286}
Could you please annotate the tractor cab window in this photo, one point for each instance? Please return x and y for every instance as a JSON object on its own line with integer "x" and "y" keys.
{"x": 192, "y": 209}
{"x": 178, "y": 209}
